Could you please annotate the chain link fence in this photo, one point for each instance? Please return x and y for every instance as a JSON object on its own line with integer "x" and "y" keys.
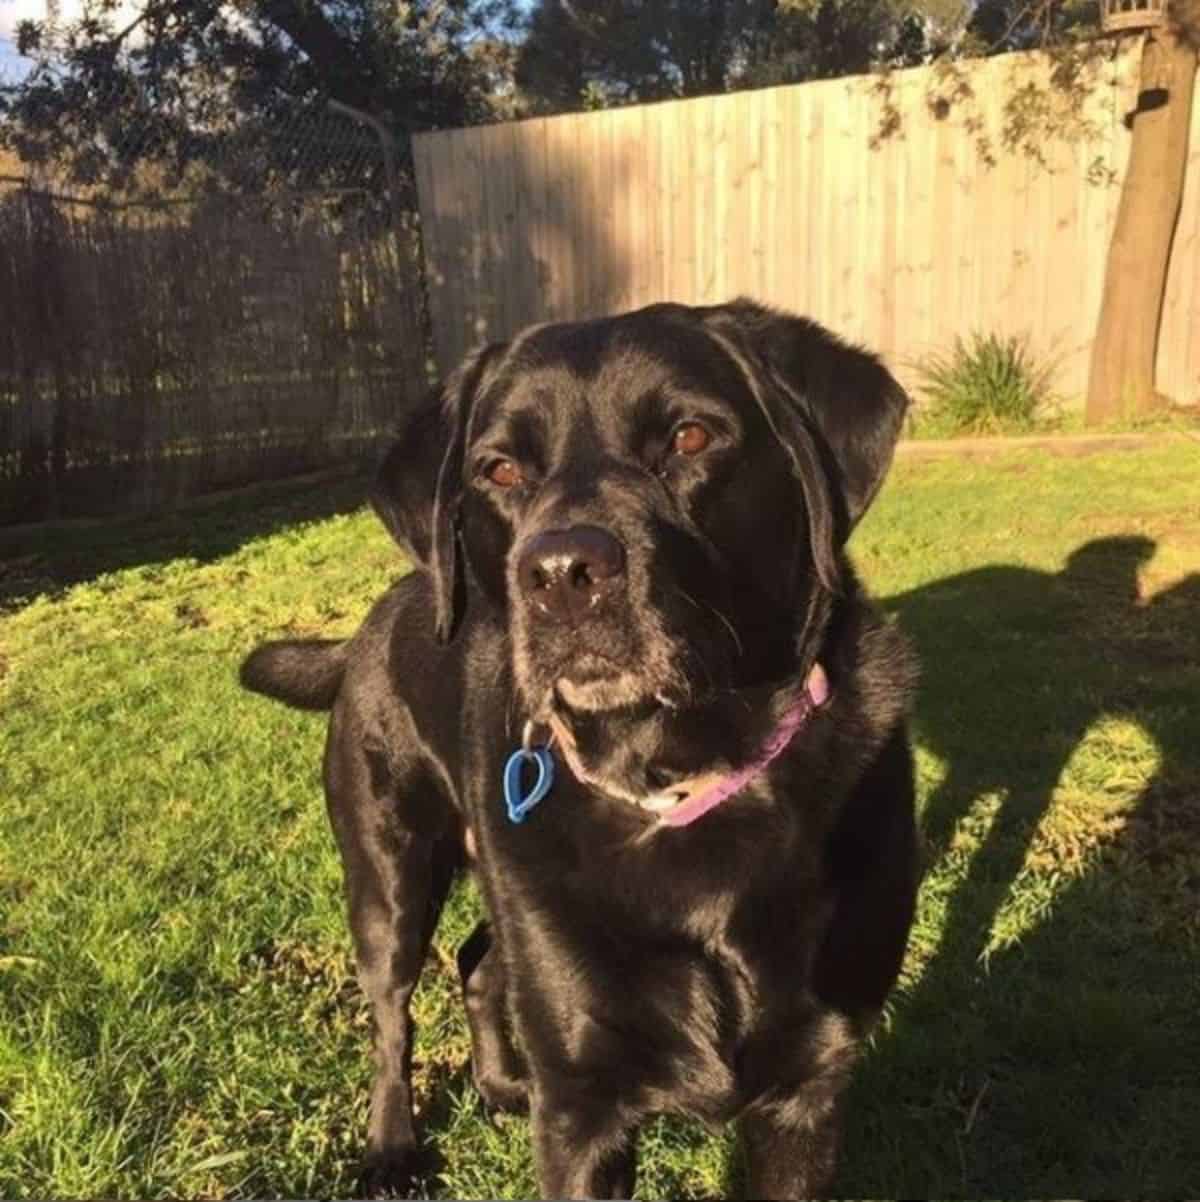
{"x": 187, "y": 306}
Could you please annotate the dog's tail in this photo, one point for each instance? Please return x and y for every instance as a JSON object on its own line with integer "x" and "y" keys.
{"x": 304, "y": 673}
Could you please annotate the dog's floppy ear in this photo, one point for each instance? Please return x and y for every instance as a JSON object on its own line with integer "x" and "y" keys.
{"x": 418, "y": 488}
{"x": 820, "y": 395}
{"x": 402, "y": 494}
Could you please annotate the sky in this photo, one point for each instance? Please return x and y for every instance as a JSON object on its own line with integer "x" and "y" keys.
{"x": 12, "y": 12}
{"x": 12, "y": 66}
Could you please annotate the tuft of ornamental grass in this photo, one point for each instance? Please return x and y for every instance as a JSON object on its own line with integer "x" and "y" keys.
{"x": 986, "y": 385}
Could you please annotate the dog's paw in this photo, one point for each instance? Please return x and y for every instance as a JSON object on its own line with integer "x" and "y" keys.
{"x": 502, "y": 1094}
{"x": 389, "y": 1173}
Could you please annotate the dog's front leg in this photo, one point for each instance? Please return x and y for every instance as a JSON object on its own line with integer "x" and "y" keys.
{"x": 396, "y": 881}
{"x": 583, "y": 1149}
{"x": 791, "y": 1142}
{"x": 500, "y": 1073}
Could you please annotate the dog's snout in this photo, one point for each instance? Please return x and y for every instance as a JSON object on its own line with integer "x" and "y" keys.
{"x": 564, "y": 574}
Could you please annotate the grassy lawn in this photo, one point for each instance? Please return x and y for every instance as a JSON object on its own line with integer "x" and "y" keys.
{"x": 178, "y": 1015}
{"x": 1062, "y": 417}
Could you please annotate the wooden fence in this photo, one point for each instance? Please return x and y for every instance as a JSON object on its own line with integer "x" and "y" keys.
{"x": 147, "y": 354}
{"x": 886, "y": 207}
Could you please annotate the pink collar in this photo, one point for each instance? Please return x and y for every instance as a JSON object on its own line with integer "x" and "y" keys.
{"x": 703, "y": 793}
{"x": 690, "y": 799}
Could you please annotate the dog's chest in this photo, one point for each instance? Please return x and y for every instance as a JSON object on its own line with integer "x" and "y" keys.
{"x": 681, "y": 1008}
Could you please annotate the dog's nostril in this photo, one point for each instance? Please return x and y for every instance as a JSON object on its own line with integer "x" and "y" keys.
{"x": 581, "y": 576}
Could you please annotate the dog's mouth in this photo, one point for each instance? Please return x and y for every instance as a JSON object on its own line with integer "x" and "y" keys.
{"x": 608, "y": 740}
{"x": 652, "y": 752}
{"x": 595, "y": 684}
{"x": 642, "y": 651}
{"x": 622, "y": 696}
{"x": 592, "y": 683}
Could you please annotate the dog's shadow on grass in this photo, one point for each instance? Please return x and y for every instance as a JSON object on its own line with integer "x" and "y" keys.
{"x": 49, "y": 557}
{"x": 1046, "y": 1041}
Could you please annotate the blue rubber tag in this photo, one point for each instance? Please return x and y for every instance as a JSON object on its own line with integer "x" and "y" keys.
{"x": 517, "y": 803}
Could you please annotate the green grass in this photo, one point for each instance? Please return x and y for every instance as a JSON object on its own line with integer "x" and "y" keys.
{"x": 178, "y": 1015}
{"x": 1063, "y": 417}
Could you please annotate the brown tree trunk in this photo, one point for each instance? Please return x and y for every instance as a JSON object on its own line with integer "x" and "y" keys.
{"x": 1121, "y": 380}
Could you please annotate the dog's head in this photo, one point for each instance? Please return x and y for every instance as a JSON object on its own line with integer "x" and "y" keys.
{"x": 652, "y": 503}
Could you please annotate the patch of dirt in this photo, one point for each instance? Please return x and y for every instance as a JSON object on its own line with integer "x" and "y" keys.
{"x": 327, "y": 977}
{"x": 191, "y": 615}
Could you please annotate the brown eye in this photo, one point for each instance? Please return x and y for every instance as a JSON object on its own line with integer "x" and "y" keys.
{"x": 504, "y": 473}
{"x": 690, "y": 439}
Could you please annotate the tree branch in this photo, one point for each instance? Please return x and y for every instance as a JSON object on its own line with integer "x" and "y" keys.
{"x": 117, "y": 38}
{"x": 333, "y": 56}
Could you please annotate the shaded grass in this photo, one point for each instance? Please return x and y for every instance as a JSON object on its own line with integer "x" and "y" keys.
{"x": 177, "y": 1008}
{"x": 45, "y": 558}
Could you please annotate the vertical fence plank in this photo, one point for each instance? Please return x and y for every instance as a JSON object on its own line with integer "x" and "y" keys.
{"x": 704, "y": 233}
{"x": 796, "y": 279}
{"x": 1063, "y": 253}
{"x": 1187, "y": 386}
{"x": 560, "y": 245}
{"x": 500, "y": 232}
{"x": 654, "y": 212}
{"x": 843, "y": 199}
{"x": 925, "y": 242}
{"x": 631, "y": 194}
{"x": 480, "y": 296}
{"x": 682, "y": 270}
{"x": 459, "y": 222}
{"x": 1177, "y": 371}
{"x": 428, "y": 159}
{"x": 604, "y": 254}
{"x": 725, "y": 195}
{"x": 818, "y": 248}
{"x": 540, "y": 186}
{"x": 774, "y": 233}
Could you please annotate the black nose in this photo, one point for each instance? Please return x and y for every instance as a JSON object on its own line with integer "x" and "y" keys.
{"x": 564, "y": 574}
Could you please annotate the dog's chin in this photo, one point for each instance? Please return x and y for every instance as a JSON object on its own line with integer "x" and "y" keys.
{"x": 595, "y": 692}
{"x": 600, "y": 694}
{"x": 599, "y": 682}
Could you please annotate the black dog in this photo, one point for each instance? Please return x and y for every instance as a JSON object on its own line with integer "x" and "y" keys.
{"x": 630, "y": 532}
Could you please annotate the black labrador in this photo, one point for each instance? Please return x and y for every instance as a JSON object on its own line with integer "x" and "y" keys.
{"x": 635, "y": 683}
